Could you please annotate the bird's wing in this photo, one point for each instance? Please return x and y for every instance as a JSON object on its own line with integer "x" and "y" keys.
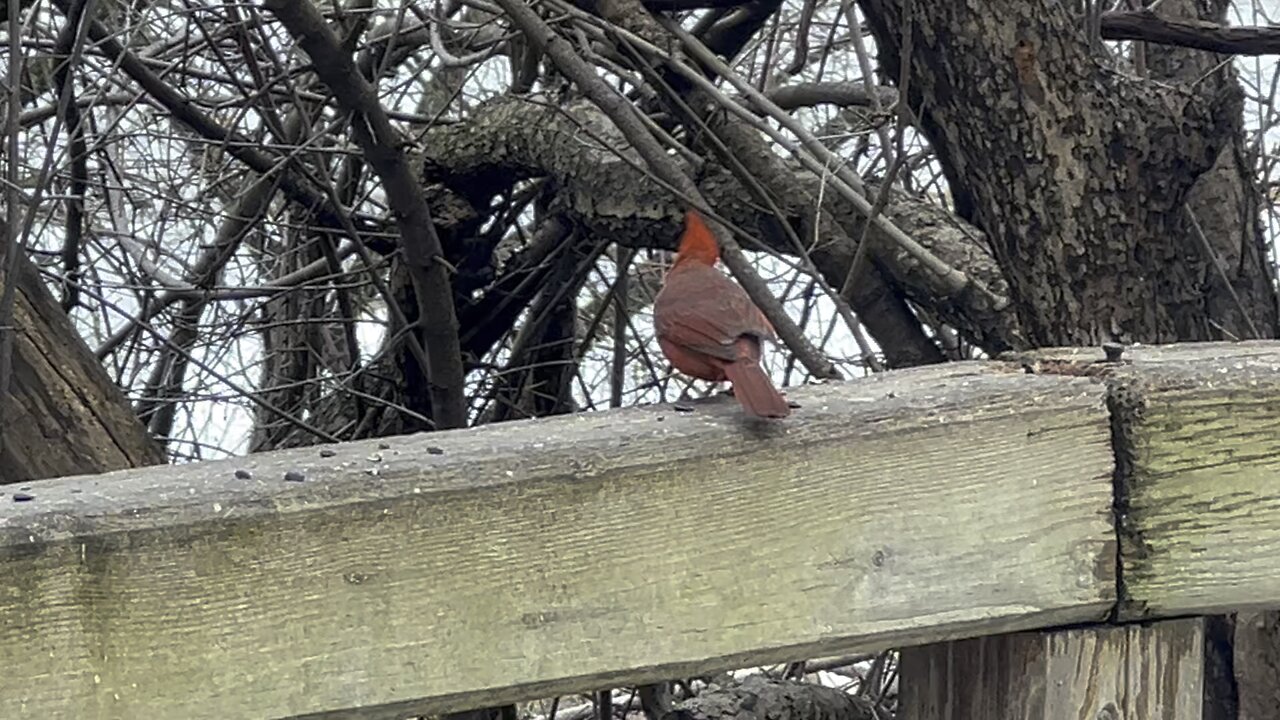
{"x": 702, "y": 310}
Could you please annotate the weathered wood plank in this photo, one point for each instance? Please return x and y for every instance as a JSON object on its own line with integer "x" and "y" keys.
{"x": 1204, "y": 487}
{"x": 1200, "y": 477}
{"x": 457, "y": 569}
{"x": 1133, "y": 672}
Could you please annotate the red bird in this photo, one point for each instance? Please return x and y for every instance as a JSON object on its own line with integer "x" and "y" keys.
{"x": 708, "y": 327}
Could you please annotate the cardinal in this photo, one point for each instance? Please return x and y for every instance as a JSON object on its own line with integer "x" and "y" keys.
{"x": 708, "y": 327}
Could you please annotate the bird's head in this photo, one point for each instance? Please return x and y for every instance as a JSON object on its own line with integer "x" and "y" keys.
{"x": 697, "y": 244}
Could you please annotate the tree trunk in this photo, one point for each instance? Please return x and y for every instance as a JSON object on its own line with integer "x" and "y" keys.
{"x": 1080, "y": 174}
{"x": 64, "y": 416}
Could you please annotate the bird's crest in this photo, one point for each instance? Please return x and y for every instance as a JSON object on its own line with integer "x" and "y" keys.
{"x": 697, "y": 243}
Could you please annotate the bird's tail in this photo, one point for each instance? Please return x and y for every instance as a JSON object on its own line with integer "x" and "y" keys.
{"x": 754, "y": 390}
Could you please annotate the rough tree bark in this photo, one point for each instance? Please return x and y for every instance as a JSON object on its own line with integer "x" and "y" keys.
{"x": 1082, "y": 188}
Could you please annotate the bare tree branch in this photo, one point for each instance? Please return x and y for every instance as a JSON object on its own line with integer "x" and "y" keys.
{"x": 625, "y": 118}
{"x": 384, "y": 150}
{"x": 243, "y": 148}
{"x": 1147, "y": 26}
{"x": 617, "y": 200}
{"x": 844, "y": 94}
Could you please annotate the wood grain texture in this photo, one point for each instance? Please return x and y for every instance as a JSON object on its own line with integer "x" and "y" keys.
{"x": 1132, "y": 672}
{"x": 1204, "y": 492}
{"x": 1199, "y": 476}
{"x": 459, "y": 569}
{"x": 65, "y": 415}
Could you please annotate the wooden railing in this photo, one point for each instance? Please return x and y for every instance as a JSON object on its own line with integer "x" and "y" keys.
{"x": 461, "y": 569}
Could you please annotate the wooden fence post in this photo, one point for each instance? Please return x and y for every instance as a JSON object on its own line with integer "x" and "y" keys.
{"x": 1130, "y": 672}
